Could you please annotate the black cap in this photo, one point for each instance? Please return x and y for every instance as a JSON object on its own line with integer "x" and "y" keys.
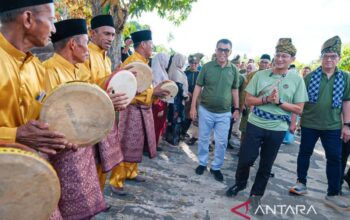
{"x": 16, "y": 4}
{"x": 265, "y": 56}
{"x": 68, "y": 28}
{"x": 139, "y": 36}
{"x": 101, "y": 20}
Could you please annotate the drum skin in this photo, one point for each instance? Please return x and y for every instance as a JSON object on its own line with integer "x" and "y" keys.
{"x": 81, "y": 111}
{"x": 172, "y": 88}
{"x": 123, "y": 82}
{"x": 29, "y": 186}
{"x": 143, "y": 73}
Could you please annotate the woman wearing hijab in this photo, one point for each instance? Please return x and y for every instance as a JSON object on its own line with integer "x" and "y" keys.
{"x": 159, "y": 64}
{"x": 176, "y": 109}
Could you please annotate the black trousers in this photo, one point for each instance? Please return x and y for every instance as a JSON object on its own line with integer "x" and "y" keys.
{"x": 231, "y": 125}
{"x": 345, "y": 155}
{"x": 268, "y": 142}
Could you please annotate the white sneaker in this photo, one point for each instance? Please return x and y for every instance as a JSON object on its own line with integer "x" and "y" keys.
{"x": 298, "y": 189}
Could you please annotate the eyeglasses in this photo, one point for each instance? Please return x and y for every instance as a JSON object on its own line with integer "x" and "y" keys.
{"x": 225, "y": 50}
{"x": 282, "y": 55}
{"x": 326, "y": 57}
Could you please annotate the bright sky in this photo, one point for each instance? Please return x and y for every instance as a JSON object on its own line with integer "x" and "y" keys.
{"x": 254, "y": 26}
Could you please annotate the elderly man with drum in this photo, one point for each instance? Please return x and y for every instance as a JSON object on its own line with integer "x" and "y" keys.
{"x": 81, "y": 195}
{"x": 136, "y": 125}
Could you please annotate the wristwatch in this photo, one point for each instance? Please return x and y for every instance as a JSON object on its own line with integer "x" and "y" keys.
{"x": 347, "y": 124}
{"x": 237, "y": 109}
{"x": 280, "y": 102}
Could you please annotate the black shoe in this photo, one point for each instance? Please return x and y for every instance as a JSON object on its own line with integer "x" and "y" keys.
{"x": 217, "y": 175}
{"x": 187, "y": 135}
{"x": 200, "y": 169}
{"x": 211, "y": 148}
{"x": 272, "y": 175}
{"x": 234, "y": 190}
{"x": 229, "y": 146}
{"x": 191, "y": 141}
{"x": 255, "y": 203}
{"x": 347, "y": 180}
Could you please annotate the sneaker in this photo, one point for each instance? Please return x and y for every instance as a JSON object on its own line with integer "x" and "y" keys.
{"x": 337, "y": 202}
{"x": 200, "y": 169}
{"x": 217, "y": 175}
{"x": 233, "y": 191}
{"x": 298, "y": 189}
{"x": 255, "y": 205}
{"x": 211, "y": 148}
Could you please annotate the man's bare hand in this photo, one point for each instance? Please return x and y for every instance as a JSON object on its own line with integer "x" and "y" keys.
{"x": 345, "y": 134}
{"x": 36, "y": 135}
{"x": 193, "y": 113}
{"x": 119, "y": 100}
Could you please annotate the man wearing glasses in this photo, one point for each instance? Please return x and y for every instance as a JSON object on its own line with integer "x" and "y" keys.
{"x": 274, "y": 93}
{"x": 218, "y": 84}
{"x": 325, "y": 116}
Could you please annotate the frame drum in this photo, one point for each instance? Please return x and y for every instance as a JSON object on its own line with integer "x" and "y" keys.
{"x": 83, "y": 112}
{"x": 172, "y": 88}
{"x": 29, "y": 186}
{"x": 143, "y": 75}
{"x": 123, "y": 82}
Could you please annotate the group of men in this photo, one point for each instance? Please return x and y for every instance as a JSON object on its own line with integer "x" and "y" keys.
{"x": 24, "y": 81}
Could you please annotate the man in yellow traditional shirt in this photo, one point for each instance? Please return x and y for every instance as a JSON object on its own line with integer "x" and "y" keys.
{"x": 136, "y": 125}
{"x": 24, "y": 25}
{"x": 108, "y": 151}
{"x": 81, "y": 196}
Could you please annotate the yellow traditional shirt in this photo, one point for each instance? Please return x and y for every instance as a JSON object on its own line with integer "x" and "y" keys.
{"x": 144, "y": 98}
{"x": 59, "y": 71}
{"x": 21, "y": 82}
{"x": 99, "y": 65}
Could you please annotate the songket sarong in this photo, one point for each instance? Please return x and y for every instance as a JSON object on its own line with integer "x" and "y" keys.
{"x": 136, "y": 133}
{"x": 81, "y": 196}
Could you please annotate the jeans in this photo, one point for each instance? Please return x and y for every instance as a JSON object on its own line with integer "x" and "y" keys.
{"x": 332, "y": 145}
{"x": 268, "y": 142}
{"x": 220, "y": 123}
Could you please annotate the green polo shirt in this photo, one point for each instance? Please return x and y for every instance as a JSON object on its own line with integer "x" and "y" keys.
{"x": 291, "y": 89}
{"x": 217, "y": 83}
{"x": 321, "y": 115}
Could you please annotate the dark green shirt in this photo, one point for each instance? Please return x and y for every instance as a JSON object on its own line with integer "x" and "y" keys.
{"x": 217, "y": 84}
{"x": 321, "y": 115}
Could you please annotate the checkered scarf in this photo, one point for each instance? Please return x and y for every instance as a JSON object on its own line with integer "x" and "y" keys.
{"x": 269, "y": 116}
{"x": 338, "y": 87}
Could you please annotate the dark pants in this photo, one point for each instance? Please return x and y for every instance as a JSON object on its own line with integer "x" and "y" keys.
{"x": 231, "y": 125}
{"x": 332, "y": 145}
{"x": 186, "y": 124}
{"x": 269, "y": 142}
{"x": 345, "y": 155}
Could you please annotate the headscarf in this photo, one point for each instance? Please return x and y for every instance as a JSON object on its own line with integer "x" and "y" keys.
{"x": 176, "y": 74}
{"x": 159, "y": 64}
{"x": 332, "y": 45}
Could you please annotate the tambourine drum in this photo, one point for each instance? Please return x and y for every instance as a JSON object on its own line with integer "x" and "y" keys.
{"x": 123, "y": 82}
{"x": 29, "y": 186}
{"x": 143, "y": 75}
{"x": 172, "y": 88}
{"x": 81, "y": 111}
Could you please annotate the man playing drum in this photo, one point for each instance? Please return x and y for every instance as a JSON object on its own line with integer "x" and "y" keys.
{"x": 136, "y": 125}
{"x": 108, "y": 151}
{"x": 81, "y": 196}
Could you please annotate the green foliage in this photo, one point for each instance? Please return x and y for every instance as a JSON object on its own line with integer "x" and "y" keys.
{"x": 175, "y": 11}
{"x": 133, "y": 26}
{"x": 344, "y": 63}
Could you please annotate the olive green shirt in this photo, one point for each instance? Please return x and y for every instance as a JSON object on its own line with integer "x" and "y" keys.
{"x": 321, "y": 115}
{"x": 217, "y": 83}
{"x": 291, "y": 90}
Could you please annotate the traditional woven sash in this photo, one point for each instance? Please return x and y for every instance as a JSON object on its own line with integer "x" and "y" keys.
{"x": 338, "y": 87}
{"x": 269, "y": 116}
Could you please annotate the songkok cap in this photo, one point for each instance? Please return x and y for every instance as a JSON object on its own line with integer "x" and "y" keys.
{"x": 284, "y": 45}
{"x": 265, "y": 57}
{"x": 332, "y": 45}
{"x": 69, "y": 28}
{"x": 139, "y": 36}
{"x": 102, "y": 20}
{"x": 16, "y": 4}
